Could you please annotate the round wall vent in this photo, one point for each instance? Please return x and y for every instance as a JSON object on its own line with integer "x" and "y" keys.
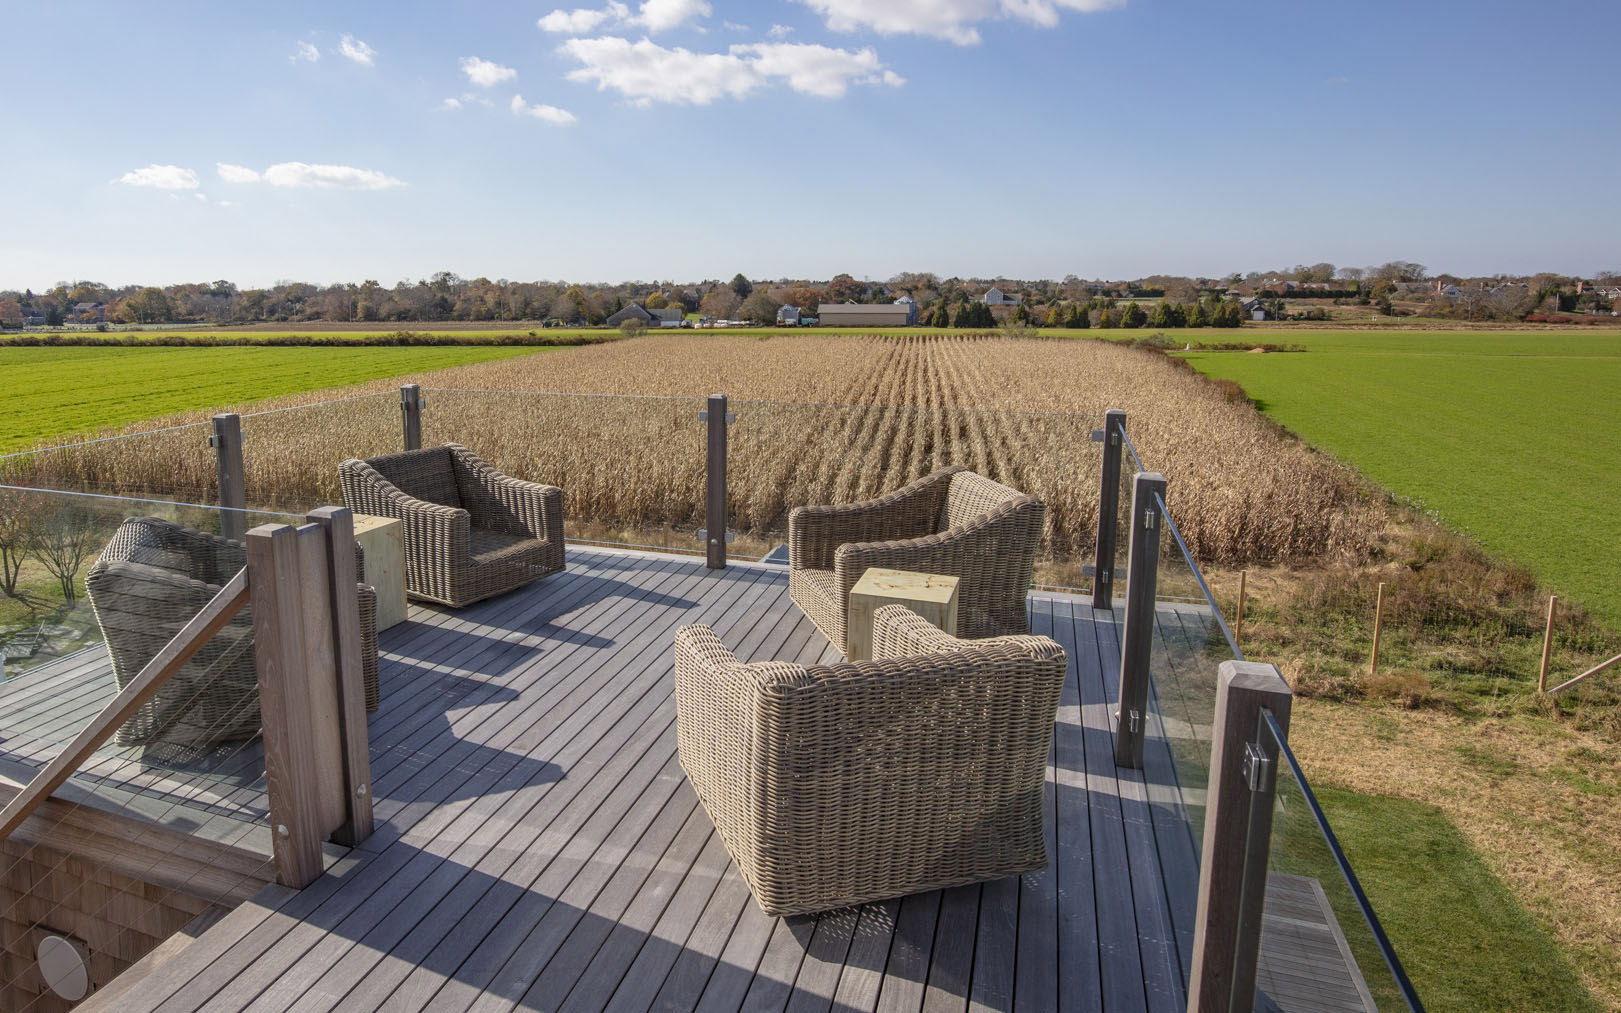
{"x": 64, "y": 963}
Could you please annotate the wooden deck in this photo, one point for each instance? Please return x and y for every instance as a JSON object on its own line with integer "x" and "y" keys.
{"x": 537, "y": 846}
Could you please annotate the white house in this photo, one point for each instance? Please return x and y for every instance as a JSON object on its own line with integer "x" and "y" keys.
{"x": 787, "y": 315}
{"x": 996, "y": 297}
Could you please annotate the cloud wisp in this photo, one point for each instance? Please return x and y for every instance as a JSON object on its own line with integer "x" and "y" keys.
{"x": 309, "y": 176}
{"x": 544, "y": 113}
{"x": 305, "y": 52}
{"x": 351, "y": 48}
{"x": 654, "y": 16}
{"x": 952, "y": 20}
{"x": 647, "y": 73}
{"x": 161, "y": 177}
{"x": 486, "y": 74}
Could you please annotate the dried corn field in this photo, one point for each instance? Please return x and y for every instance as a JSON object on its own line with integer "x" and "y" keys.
{"x": 820, "y": 418}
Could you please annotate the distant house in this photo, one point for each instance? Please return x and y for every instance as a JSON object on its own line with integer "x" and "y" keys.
{"x": 996, "y": 297}
{"x": 787, "y": 315}
{"x": 33, "y": 320}
{"x": 867, "y": 314}
{"x": 1255, "y": 309}
{"x": 90, "y": 312}
{"x": 667, "y": 316}
{"x": 911, "y": 308}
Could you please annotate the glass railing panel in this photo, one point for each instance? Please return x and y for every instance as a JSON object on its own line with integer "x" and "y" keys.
{"x": 1322, "y": 946}
{"x": 291, "y": 455}
{"x": 631, "y": 468}
{"x": 171, "y": 463}
{"x": 94, "y": 588}
{"x": 1190, "y": 643}
{"x": 785, "y": 454}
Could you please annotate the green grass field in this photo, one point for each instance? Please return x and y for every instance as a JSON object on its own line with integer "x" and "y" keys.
{"x": 1513, "y": 438}
{"x": 58, "y": 391}
{"x": 1420, "y": 873}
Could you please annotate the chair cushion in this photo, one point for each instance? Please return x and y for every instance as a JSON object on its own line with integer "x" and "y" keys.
{"x": 486, "y": 545}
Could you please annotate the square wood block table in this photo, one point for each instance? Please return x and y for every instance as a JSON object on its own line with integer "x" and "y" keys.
{"x": 382, "y": 539}
{"x": 931, "y": 595}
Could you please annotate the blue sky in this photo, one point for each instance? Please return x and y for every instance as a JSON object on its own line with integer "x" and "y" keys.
{"x": 688, "y": 139}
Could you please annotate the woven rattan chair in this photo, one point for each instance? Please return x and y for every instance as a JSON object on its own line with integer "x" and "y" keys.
{"x": 839, "y": 785}
{"x": 152, "y": 578}
{"x": 470, "y": 532}
{"x": 952, "y": 522}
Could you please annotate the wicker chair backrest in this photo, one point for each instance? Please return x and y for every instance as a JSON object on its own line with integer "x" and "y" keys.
{"x": 427, "y": 474}
{"x": 972, "y": 496}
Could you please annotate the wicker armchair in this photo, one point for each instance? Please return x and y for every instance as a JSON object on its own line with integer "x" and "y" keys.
{"x": 833, "y": 786}
{"x": 951, "y": 522}
{"x": 151, "y": 579}
{"x": 470, "y": 532}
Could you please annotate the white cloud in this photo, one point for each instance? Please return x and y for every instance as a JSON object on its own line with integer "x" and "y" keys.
{"x": 661, "y": 15}
{"x": 653, "y": 15}
{"x": 226, "y": 204}
{"x": 236, "y": 173}
{"x": 546, "y": 113}
{"x": 201, "y": 196}
{"x": 817, "y": 70}
{"x": 161, "y": 177}
{"x": 353, "y": 49}
{"x": 582, "y": 20}
{"x": 451, "y": 103}
{"x": 484, "y": 73}
{"x": 952, "y": 20}
{"x": 779, "y": 31}
{"x": 646, "y": 72}
{"x": 733, "y": 26}
{"x": 328, "y": 177}
{"x": 306, "y": 53}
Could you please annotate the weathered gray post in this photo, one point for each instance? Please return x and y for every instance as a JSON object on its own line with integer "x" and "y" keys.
{"x": 1137, "y": 641}
{"x": 1237, "y": 837}
{"x": 714, "y": 533}
{"x": 233, "y": 496}
{"x": 1113, "y": 437}
{"x": 411, "y": 414}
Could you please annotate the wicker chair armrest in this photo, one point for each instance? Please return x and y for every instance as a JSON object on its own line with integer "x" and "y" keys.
{"x": 536, "y": 506}
{"x": 366, "y": 491}
{"x": 898, "y": 632}
{"x": 949, "y": 552}
{"x": 816, "y": 532}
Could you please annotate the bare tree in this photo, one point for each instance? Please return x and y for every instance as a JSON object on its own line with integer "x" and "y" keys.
{"x": 21, "y": 512}
{"x": 61, "y": 541}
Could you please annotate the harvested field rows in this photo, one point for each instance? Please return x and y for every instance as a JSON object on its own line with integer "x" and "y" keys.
{"x": 822, "y": 418}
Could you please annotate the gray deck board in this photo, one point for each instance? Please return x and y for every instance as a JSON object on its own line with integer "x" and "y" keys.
{"x": 538, "y": 847}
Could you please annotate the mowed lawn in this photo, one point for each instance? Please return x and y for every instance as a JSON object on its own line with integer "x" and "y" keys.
{"x": 1511, "y": 437}
{"x": 53, "y": 392}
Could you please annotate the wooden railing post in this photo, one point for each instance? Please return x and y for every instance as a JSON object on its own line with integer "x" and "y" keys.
{"x": 715, "y": 533}
{"x": 306, "y": 631}
{"x": 233, "y": 497}
{"x": 411, "y": 415}
{"x": 1237, "y": 835}
{"x": 1113, "y": 438}
{"x": 338, "y": 523}
{"x": 1137, "y": 640}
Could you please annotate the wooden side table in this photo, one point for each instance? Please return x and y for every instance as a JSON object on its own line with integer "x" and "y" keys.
{"x": 383, "y": 541}
{"x": 930, "y": 595}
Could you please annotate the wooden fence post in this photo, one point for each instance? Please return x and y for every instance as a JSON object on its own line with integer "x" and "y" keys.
{"x": 305, "y": 619}
{"x": 1112, "y": 436}
{"x": 411, "y": 415}
{"x": 1238, "y": 620}
{"x": 1137, "y": 640}
{"x": 1237, "y": 835}
{"x": 233, "y": 497}
{"x": 715, "y": 533}
{"x": 1547, "y": 645}
{"x": 1378, "y": 627}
